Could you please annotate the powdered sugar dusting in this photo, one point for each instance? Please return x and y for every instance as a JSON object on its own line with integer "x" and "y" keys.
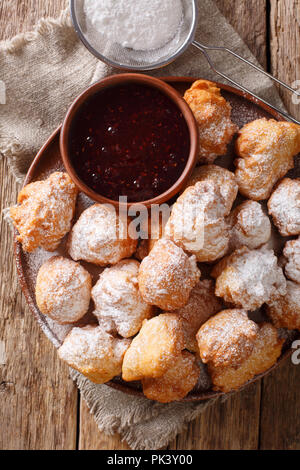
{"x": 250, "y": 226}
{"x": 94, "y": 353}
{"x": 100, "y": 236}
{"x": 284, "y": 207}
{"x": 250, "y": 278}
{"x": 292, "y": 255}
{"x": 167, "y": 276}
{"x": 63, "y": 290}
{"x": 118, "y": 302}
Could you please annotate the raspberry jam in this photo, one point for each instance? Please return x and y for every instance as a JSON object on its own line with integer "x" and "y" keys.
{"x": 130, "y": 140}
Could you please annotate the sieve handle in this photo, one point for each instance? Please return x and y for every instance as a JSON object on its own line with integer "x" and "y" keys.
{"x": 204, "y": 50}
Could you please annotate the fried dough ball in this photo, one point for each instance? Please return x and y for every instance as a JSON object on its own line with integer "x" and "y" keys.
{"x": 118, "y": 301}
{"x": 167, "y": 276}
{"x": 101, "y": 237}
{"x": 266, "y": 351}
{"x": 292, "y": 255}
{"x": 285, "y": 311}
{"x": 155, "y": 349}
{"x": 224, "y": 178}
{"x": 45, "y": 212}
{"x": 284, "y": 207}
{"x": 176, "y": 383}
{"x": 227, "y": 338}
{"x": 63, "y": 290}
{"x": 201, "y": 305}
{"x": 213, "y": 115}
{"x": 197, "y": 223}
{"x": 94, "y": 353}
{"x": 248, "y": 279}
{"x": 250, "y": 226}
{"x": 266, "y": 148}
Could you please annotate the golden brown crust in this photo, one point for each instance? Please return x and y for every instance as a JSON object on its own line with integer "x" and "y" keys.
{"x": 284, "y": 207}
{"x": 292, "y": 260}
{"x": 224, "y": 179}
{"x": 285, "y": 311}
{"x": 201, "y": 305}
{"x": 101, "y": 236}
{"x": 249, "y": 278}
{"x": 197, "y": 222}
{"x": 94, "y": 353}
{"x": 227, "y": 338}
{"x": 167, "y": 276}
{"x": 119, "y": 306}
{"x": 266, "y": 149}
{"x": 155, "y": 349}
{"x": 266, "y": 351}
{"x": 176, "y": 383}
{"x": 45, "y": 212}
{"x": 63, "y": 290}
{"x": 250, "y": 226}
{"x": 213, "y": 115}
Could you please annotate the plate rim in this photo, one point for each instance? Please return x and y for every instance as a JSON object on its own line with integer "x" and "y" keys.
{"x": 192, "y": 397}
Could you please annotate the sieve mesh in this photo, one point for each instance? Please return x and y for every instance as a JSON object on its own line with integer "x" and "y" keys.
{"x": 129, "y": 59}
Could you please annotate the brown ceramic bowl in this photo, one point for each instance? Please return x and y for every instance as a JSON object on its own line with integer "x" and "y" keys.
{"x": 114, "y": 81}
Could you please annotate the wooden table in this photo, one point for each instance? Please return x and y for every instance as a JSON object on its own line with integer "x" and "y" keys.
{"x": 40, "y": 408}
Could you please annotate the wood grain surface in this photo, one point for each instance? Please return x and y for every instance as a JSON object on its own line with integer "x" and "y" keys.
{"x": 40, "y": 407}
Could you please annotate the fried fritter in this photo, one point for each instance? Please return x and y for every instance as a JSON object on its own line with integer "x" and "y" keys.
{"x": 292, "y": 260}
{"x": 167, "y": 276}
{"x": 101, "y": 236}
{"x": 197, "y": 223}
{"x": 266, "y": 149}
{"x": 266, "y": 351}
{"x": 45, "y": 212}
{"x": 249, "y": 278}
{"x": 155, "y": 349}
{"x": 94, "y": 353}
{"x": 213, "y": 115}
{"x": 63, "y": 290}
{"x": 285, "y": 311}
{"x": 118, "y": 301}
{"x": 176, "y": 383}
{"x": 284, "y": 207}
{"x": 250, "y": 226}
{"x": 224, "y": 178}
{"x": 201, "y": 305}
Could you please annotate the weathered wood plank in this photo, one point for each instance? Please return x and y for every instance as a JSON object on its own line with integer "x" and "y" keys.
{"x": 30, "y": 391}
{"x": 280, "y": 411}
{"x": 38, "y": 400}
{"x": 91, "y": 438}
{"x": 280, "y": 393}
{"x": 249, "y": 19}
{"x": 285, "y": 52}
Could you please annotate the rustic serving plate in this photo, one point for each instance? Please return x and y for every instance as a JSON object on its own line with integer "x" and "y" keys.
{"x": 244, "y": 109}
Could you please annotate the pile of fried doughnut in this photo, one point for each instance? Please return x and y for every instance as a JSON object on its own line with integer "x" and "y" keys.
{"x": 159, "y": 320}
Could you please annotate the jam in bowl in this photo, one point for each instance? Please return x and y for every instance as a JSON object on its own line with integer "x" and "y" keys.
{"x": 130, "y": 136}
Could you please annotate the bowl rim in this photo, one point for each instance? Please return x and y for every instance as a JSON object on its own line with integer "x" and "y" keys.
{"x": 114, "y": 81}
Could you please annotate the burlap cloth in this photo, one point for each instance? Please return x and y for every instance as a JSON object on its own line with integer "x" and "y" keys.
{"x": 42, "y": 72}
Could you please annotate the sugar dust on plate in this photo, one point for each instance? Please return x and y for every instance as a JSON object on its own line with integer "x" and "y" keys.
{"x": 142, "y": 25}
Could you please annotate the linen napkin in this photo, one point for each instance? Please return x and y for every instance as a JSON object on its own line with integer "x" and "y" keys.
{"x": 41, "y": 72}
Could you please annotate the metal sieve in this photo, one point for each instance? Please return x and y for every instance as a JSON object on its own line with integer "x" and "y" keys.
{"x": 115, "y": 55}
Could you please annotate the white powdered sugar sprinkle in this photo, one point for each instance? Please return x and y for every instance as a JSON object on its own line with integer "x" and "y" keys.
{"x": 137, "y": 24}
